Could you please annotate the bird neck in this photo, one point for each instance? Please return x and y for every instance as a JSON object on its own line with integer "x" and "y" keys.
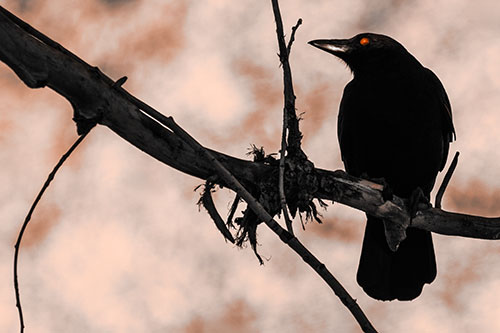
{"x": 395, "y": 71}
{"x": 393, "y": 67}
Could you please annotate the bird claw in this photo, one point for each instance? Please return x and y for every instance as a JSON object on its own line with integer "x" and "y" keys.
{"x": 417, "y": 201}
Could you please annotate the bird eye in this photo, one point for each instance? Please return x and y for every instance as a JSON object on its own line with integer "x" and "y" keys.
{"x": 364, "y": 41}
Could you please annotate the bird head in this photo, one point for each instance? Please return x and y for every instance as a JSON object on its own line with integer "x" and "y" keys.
{"x": 367, "y": 52}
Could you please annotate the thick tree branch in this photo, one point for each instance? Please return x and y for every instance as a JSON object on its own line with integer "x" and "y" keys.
{"x": 93, "y": 96}
{"x": 367, "y": 196}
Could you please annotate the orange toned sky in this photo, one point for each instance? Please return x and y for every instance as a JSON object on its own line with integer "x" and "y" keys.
{"x": 117, "y": 243}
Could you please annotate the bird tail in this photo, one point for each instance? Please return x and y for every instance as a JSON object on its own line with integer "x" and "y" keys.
{"x": 387, "y": 275}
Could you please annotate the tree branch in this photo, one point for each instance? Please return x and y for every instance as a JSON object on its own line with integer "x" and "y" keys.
{"x": 446, "y": 180}
{"x": 291, "y": 136}
{"x": 285, "y": 236}
{"x": 367, "y": 197}
{"x": 288, "y": 110}
{"x": 294, "y": 135}
{"x": 27, "y": 219}
{"x": 40, "y": 62}
{"x": 292, "y": 36}
{"x": 93, "y": 96}
{"x": 295, "y": 153}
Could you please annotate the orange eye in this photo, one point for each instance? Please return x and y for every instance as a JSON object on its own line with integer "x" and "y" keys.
{"x": 364, "y": 41}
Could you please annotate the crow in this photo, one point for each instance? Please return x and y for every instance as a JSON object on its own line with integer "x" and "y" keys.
{"x": 394, "y": 124}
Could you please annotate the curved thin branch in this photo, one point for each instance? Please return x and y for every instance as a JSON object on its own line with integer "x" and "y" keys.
{"x": 28, "y": 218}
{"x": 207, "y": 202}
{"x": 446, "y": 180}
{"x": 281, "y": 179}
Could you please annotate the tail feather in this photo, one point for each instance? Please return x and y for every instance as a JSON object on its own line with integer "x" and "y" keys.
{"x": 387, "y": 275}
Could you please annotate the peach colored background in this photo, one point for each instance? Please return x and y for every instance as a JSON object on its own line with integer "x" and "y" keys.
{"x": 118, "y": 244}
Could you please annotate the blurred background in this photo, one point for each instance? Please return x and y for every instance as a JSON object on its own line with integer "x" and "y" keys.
{"x": 118, "y": 244}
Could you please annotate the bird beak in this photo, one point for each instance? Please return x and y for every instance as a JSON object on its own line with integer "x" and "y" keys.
{"x": 334, "y": 46}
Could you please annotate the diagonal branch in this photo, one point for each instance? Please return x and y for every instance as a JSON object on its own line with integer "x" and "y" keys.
{"x": 285, "y": 236}
{"x": 207, "y": 202}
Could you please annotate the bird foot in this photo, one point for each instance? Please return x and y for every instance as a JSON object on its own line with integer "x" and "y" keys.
{"x": 417, "y": 201}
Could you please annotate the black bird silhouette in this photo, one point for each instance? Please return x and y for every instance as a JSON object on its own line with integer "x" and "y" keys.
{"x": 394, "y": 123}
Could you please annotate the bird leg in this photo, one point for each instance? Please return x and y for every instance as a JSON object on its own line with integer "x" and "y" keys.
{"x": 395, "y": 233}
{"x": 394, "y": 230}
{"x": 417, "y": 201}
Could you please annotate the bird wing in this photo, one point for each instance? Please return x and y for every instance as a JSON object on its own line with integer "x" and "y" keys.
{"x": 449, "y": 134}
{"x": 340, "y": 128}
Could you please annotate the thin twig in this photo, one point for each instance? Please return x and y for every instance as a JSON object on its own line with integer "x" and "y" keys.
{"x": 281, "y": 180}
{"x": 232, "y": 211}
{"x": 284, "y": 235}
{"x": 294, "y": 135}
{"x": 284, "y": 209}
{"x": 291, "y": 123}
{"x": 292, "y": 36}
{"x": 288, "y": 110}
{"x": 209, "y": 205}
{"x": 446, "y": 180}
{"x": 28, "y": 218}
